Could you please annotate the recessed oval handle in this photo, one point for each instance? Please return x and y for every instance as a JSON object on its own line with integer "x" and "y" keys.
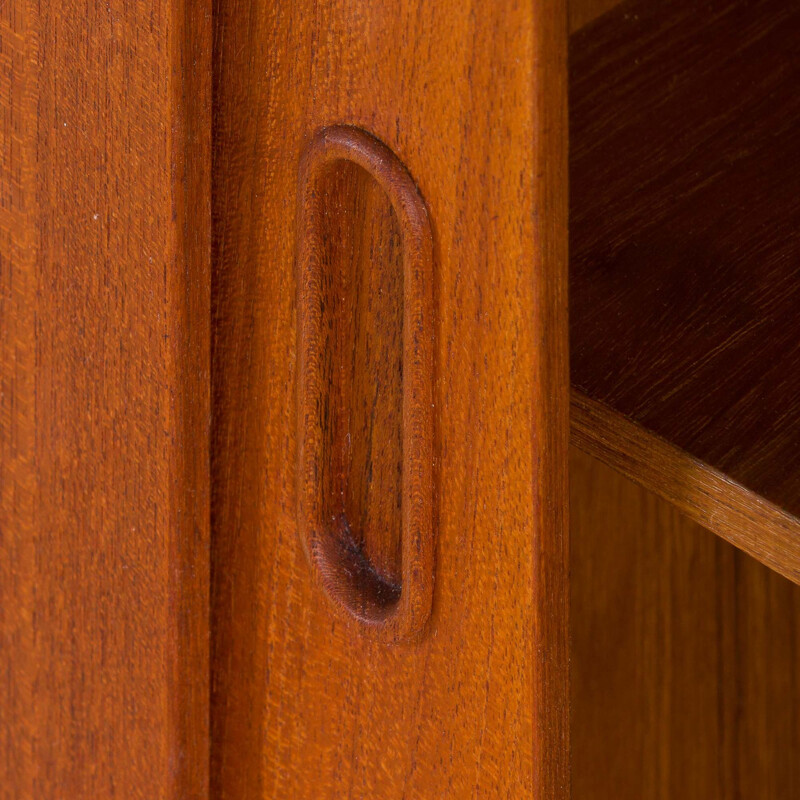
{"x": 365, "y": 383}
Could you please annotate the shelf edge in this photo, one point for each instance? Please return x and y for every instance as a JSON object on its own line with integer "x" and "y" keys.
{"x": 706, "y": 495}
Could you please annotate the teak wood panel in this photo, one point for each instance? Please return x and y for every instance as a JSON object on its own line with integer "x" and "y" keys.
{"x": 470, "y": 97}
{"x": 684, "y": 654}
{"x": 105, "y": 127}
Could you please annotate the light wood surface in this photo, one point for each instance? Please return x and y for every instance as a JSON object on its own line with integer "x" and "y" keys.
{"x": 684, "y": 245}
{"x": 471, "y": 98}
{"x": 104, "y": 399}
{"x": 684, "y": 654}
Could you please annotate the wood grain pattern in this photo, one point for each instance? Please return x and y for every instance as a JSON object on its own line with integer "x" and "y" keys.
{"x": 705, "y": 495}
{"x": 353, "y": 425}
{"x": 584, "y": 12}
{"x": 685, "y": 237}
{"x": 104, "y": 398}
{"x": 684, "y": 654}
{"x": 472, "y": 98}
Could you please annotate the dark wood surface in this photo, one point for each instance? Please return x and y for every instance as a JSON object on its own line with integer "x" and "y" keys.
{"x": 684, "y": 654}
{"x": 303, "y": 705}
{"x": 105, "y": 126}
{"x": 685, "y": 241}
{"x": 582, "y": 12}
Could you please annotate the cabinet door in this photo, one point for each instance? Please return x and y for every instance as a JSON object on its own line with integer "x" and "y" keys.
{"x": 312, "y": 695}
{"x": 104, "y": 398}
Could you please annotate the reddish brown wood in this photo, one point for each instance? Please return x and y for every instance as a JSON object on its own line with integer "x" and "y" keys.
{"x": 685, "y": 237}
{"x": 104, "y": 398}
{"x": 471, "y": 97}
{"x": 705, "y": 495}
{"x": 333, "y": 253}
{"x": 684, "y": 654}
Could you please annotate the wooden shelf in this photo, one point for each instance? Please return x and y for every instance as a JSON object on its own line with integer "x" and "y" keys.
{"x": 685, "y": 260}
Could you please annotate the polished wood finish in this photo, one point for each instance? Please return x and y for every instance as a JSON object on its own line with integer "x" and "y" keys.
{"x": 104, "y": 398}
{"x": 471, "y": 97}
{"x": 684, "y": 238}
{"x": 684, "y": 654}
{"x": 390, "y": 351}
{"x": 365, "y": 382}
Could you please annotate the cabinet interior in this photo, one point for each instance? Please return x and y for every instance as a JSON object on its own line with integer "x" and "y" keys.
{"x": 685, "y": 371}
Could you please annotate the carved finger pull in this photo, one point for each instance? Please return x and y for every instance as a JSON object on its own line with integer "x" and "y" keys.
{"x": 365, "y": 422}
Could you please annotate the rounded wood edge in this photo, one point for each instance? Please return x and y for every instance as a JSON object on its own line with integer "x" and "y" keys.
{"x": 406, "y": 617}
